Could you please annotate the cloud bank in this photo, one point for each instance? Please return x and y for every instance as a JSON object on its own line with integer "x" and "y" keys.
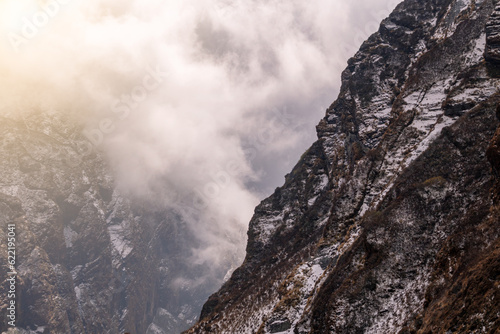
{"x": 202, "y": 106}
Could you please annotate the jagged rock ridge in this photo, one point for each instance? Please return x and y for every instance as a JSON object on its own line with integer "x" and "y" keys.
{"x": 389, "y": 223}
{"x": 89, "y": 259}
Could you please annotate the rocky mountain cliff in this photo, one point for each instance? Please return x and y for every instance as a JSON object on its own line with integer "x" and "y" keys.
{"x": 89, "y": 260}
{"x": 390, "y": 222}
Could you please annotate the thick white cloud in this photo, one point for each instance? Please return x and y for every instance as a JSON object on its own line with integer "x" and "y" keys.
{"x": 205, "y": 105}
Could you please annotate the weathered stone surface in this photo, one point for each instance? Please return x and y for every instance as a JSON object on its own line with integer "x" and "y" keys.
{"x": 389, "y": 223}
{"x": 492, "y": 52}
{"x": 89, "y": 259}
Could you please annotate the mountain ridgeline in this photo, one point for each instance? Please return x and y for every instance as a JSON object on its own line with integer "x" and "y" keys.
{"x": 89, "y": 259}
{"x": 390, "y": 222}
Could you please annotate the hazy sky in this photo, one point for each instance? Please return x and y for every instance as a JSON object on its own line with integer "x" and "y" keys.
{"x": 201, "y": 105}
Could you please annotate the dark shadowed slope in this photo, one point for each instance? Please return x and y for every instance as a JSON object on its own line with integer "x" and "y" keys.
{"x": 389, "y": 223}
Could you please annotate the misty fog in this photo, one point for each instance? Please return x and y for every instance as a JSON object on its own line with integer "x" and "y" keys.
{"x": 199, "y": 106}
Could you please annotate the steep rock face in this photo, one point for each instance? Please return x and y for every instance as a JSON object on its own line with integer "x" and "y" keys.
{"x": 493, "y": 36}
{"x": 388, "y": 221}
{"x": 75, "y": 243}
{"x": 89, "y": 260}
{"x": 463, "y": 295}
